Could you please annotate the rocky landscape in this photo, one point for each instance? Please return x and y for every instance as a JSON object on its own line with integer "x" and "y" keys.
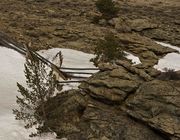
{"x": 117, "y": 103}
{"x": 121, "y": 101}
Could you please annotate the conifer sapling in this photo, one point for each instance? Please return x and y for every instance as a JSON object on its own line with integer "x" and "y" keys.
{"x": 40, "y": 86}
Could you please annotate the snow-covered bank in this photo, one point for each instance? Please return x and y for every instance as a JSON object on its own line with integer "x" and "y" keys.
{"x": 11, "y": 71}
{"x": 171, "y": 60}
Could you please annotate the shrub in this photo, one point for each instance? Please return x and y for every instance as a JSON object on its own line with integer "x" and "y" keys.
{"x": 169, "y": 74}
{"x": 107, "y": 8}
{"x": 108, "y": 50}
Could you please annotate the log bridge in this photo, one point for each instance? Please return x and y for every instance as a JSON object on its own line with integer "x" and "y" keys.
{"x": 8, "y": 42}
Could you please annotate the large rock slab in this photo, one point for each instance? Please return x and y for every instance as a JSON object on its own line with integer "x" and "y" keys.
{"x": 141, "y": 24}
{"x": 118, "y": 103}
{"x": 157, "y": 103}
{"x": 124, "y": 85}
{"x": 128, "y": 25}
{"x": 77, "y": 116}
{"x": 113, "y": 85}
{"x": 108, "y": 95}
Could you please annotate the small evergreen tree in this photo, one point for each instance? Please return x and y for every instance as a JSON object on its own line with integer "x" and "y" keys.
{"x": 41, "y": 86}
{"x": 108, "y": 50}
{"x": 107, "y": 8}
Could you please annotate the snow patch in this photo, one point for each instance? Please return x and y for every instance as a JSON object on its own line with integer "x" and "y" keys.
{"x": 11, "y": 71}
{"x": 135, "y": 60}
{"x": 171, "y": 60}
{"x": 72, "y": 59}
{"x": 168, "y": 45}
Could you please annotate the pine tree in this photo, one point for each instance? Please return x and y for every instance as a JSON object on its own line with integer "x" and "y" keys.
{"x": 107, "y": 8}
{"x": 41, "y": 86}
{"x": 108, "y": 50}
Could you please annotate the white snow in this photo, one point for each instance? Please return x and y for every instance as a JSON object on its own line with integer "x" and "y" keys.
{"x": 171, "y": 60}
{"x": 168, "y": 45}
{"x": 135, "y": 60}
{"x": 11, "y": 71}
{"x": 71, "y": 59}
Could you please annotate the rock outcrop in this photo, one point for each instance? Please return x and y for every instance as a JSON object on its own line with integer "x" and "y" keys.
{"x": 122, "y": 102}
{"x": 113, "y": 86}
{"x": 157, "y": 103}
{"x": 78, "y": 117}
{"x": 147, "y": 50}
